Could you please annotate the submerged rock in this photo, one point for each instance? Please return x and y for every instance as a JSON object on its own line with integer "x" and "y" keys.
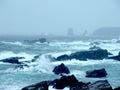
{"x": 38, "y": 86}
{"x": 96, "y": 73}
{"x": 60, "y": 69}
{"x": 13, "y": 60}
{"x": 94, "y": 48}
{"x": 40, "y": 40}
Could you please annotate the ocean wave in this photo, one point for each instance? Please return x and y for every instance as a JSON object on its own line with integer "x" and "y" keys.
{"x": 86, "y": 63}
{"x": 7, "y": 54}
{"x": 69, "y": 43}
{"x": 14, "y": 43}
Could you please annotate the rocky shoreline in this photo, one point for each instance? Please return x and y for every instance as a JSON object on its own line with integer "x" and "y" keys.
{"x": 72, "y": 83}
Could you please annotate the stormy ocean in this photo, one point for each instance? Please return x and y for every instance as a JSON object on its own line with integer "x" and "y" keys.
{"x": 14, "y": 78}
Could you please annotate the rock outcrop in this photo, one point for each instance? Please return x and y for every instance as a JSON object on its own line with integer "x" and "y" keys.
{"x": 13, "y": 60}
{"x": 96, "y": 73}
{"x": 98, "y": 54}
{"x": 60, "y": 69}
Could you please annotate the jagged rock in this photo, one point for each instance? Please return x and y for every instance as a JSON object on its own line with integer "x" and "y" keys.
{"x": 38, "y": 86}
{"x": 72, "y": 83}
{"x": 100, "y": 85}
{"x": 13, "y": 60}
{"x": 60, "y": 69}
{"x": 80, "y": 86}
{"x": 96, "y": 73}
{"x": 65, "y": 81}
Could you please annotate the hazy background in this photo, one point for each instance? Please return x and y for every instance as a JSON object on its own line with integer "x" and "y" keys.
{"x": 35, "y": 17}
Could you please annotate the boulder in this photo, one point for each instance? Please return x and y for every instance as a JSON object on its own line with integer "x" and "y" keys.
{"x": 13, "y": 60}
{"x": 100, "y": 85}
{"x": 60, "y": 69}
{"x": 38, "y": 86}
{"x": 96, "y": 73}
{"x": 65, "y": 81}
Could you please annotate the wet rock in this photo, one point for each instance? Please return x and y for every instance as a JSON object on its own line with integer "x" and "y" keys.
{"x": 60, "y": 69}
{"x": 98, "y": 54}
{"x": 96, "y": 73}
{"x": 21, "y": 66}
{"x": 63, "y": 57}
{"x": 36, "y": 57}
{"x": 13, "y": 60}
{"x": 93, "y": 54}
{"x": 80, "y": 86}
{"x": 65, "y": 81}
{"x": 38, "y": 86}
{"x": 94, "y": 48}
{"x": 115, "y": 57}
{"x": 100, "y": 85}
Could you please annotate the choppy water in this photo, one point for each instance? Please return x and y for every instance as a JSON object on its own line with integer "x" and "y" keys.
{"x": 15, "y": 79}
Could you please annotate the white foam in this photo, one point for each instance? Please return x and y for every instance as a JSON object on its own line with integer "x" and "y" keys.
{"x": 14, "y": 43}
{"x": 51, "y": 88}
{"x": 86, "y": 63}
{"x": 7, "y": 54}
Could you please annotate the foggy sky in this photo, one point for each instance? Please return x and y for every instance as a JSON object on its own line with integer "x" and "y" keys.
{"x": 33, "y": 17}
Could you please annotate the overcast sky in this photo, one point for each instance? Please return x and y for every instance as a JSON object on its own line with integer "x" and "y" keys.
{"x": 32, "y": 17}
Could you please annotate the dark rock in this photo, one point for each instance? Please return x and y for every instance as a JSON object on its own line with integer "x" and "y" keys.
{"x": 65, "y": 81}
{"x": 60, "y": 69}
{"x": 100, "y": 85}
{"x": 39, "y": 86}
{"x": 40, "y": 40}
{"x": 13, "y": 60}
{"x": 94, "y": 48}
{"x": 96, "y": 73}
{"x": 36, "y": 57}
{"x": 21, "y": 66}
{"x": 98, "y": 54}
{"x": 63, "y": 57}
{"x": 118, "y": 88}
{"x": 93, "y": 54}
{"x": 115, "y": 57}
{"x": 80, "y": 86}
